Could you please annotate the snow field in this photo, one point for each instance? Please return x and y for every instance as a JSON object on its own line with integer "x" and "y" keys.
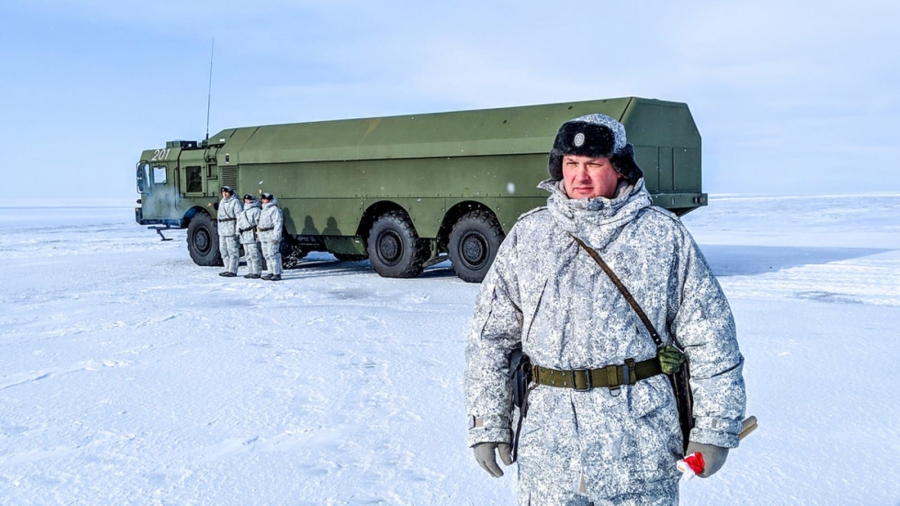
{"x": 128, "y": 375}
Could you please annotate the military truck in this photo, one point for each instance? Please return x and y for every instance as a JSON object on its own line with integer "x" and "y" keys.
{"x": 404, "y": 191}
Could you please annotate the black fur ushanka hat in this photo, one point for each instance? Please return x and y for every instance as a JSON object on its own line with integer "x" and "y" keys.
{"x": 597, "y": 136}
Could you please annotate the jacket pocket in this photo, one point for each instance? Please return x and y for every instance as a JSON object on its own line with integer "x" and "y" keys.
{"x": 652, "y": 443}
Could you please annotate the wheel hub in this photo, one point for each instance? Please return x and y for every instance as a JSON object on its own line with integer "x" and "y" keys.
{"x": 390, "y": 248}
{"x": 201, "y": 241}
{"x": 473, "y": 249}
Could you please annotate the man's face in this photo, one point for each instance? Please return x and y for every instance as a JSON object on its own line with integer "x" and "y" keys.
{"x": 248, "y": 201}
{"x": 585, "y": 177}
{"x": 225, "y": 194}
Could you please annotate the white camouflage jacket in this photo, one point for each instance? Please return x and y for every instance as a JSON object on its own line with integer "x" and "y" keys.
{"x": 547, "y": 294}
{"x": 271, "y": 222}
{"x": 246, "y": 222}
{"x": 229, "y": 209}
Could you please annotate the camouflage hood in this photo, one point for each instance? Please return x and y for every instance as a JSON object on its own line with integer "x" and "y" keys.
{"x": 596, "y": 220}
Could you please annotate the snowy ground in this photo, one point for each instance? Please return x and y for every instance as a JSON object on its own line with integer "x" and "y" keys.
{"x": 128, "y": 375}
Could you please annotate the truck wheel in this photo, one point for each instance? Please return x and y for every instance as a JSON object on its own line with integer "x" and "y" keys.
{"x": 473, "y": 245}
{"x": 394, "y": 247}
{"x": 203, "y": 241}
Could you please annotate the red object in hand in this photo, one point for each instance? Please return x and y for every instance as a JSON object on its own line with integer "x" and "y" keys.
{"x": 695, "y": 462}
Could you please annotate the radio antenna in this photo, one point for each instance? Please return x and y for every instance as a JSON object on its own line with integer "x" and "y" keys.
{"x": 209, "y": 92}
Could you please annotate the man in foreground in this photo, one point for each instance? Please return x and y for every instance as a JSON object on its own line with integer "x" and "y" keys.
{"x": 617, "y": 443}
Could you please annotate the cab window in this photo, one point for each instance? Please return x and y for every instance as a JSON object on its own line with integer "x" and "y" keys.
{"x": 194, "y": 180}
{"x": 159, "y": 175}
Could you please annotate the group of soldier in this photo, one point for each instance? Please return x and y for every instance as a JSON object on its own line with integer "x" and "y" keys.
{"x": 255, "y": 224}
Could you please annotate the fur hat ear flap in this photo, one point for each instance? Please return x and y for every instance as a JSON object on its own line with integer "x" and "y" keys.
{"x": 624, "y": 163}
{"x": 554, "y": 166}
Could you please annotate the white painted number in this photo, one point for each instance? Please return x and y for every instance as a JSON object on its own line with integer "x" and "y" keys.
{"x": 160, "y": 155}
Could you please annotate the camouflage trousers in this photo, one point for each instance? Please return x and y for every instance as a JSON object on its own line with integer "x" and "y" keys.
{"x": 254, "y": 257}
{"x": 272, "y": 252}
{"x": 231, "y": 252}
{"x": 568, "y": 498}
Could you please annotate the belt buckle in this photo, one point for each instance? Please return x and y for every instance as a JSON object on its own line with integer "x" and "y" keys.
{"x": 587, "y": 380}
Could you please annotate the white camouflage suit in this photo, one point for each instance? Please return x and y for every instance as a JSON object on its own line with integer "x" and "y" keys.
{"x": 229, "y": 209}
{"x": 545, "y": 292}
{"x": 271, "y": 222}
{"x": 247, "y": 222}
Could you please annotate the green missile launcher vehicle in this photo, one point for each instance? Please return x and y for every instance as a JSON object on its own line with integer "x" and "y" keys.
{"x": 404, "y": 191}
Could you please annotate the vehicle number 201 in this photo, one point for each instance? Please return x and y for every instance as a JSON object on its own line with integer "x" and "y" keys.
{"x": 159, "y": 155}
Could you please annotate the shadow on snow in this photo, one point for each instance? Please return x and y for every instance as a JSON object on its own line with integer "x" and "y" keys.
{"x": 750, "y": 260}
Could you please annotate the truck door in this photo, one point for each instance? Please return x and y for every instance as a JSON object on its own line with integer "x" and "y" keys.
{"x": 212, "y": 171}
{"x": 160, "y": 183}
{"x": 199, "y": 177}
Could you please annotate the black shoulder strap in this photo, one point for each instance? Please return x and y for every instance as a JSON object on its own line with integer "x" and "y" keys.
{"x": 621, "y": 287}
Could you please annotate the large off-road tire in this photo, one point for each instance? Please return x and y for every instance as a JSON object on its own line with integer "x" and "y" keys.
{"x": 394, "y": 247}
{"x": 203, "y": 240}
{"x": 473, "y": 245}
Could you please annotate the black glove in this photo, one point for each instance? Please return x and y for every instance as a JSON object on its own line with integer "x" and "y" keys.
{"x": 485, "y": 456}
{"x": 713, "y": 456}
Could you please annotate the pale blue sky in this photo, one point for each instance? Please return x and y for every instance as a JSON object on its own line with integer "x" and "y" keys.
{"x": 790, "y": 97}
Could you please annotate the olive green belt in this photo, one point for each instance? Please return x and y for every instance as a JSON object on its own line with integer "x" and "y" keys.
{"x": 611, "y": 376}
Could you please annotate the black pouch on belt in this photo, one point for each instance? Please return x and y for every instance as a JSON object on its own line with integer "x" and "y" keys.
{"x": 520, "y": 376}
{"x": 519, "y": 372}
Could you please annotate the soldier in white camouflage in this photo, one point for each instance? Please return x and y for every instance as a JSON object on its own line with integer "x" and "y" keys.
{"x": 229, "y": 209}
{"x": 271, "y": 222}
{"x": 247, "y": 223}
{"x": 619, "y": 443}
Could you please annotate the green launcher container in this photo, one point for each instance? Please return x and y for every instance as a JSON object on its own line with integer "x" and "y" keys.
{"x": 404, "y": 191}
